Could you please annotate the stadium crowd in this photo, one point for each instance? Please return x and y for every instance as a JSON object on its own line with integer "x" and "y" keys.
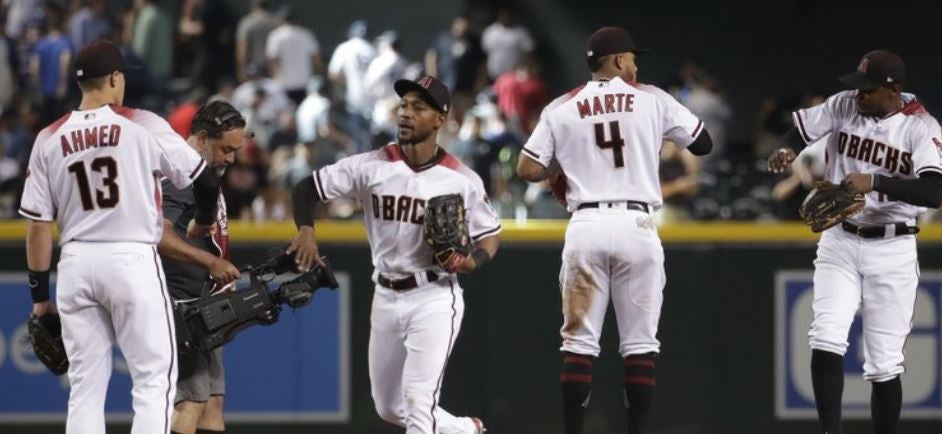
{"x": 308, "y": 104}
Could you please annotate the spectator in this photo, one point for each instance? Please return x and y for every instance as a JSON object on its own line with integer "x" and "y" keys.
{"x": 285, "y": 134}
{"x": 89, "y": 23}
{"x": 50, "y": 65}
{"x": 521, "y": 95}
{"x": 679, "y": 175}
{"x": 506, "y": 44}
{"x": 152, "y": 38}
{"x": 19, "y": 13}
{"x": 8, "y": 77}
{"x": 456, "y": 58}
{"x": 700, "y": 93}
{"x": 346, "y": 69}
{"x": 261, "y": 100}
{"x": 313, "y": 113}
{"x": 293, "y": 55}
{"x": 212, "y": 25}
{"x": 251, "y": 38}
{"x": 387, "y": 67}
{"x": 181, "y": 116}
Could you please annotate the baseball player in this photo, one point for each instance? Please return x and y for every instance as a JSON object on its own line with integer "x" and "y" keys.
{"x": 417, "y": 304}
{"x": 217, "y": 133}
{"x": 605, "y": 138}
{"x": 95, "y": 172}
{"x": 885, "y": 145}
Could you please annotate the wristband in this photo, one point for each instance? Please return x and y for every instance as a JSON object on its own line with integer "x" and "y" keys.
{"x": 39, "y": 285}
{"x": 480, "y": 257}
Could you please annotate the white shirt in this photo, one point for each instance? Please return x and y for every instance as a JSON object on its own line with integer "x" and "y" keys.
{"x": 292, "y": 46}
{"x": 382, "y": 73}
{"x": 607, "y": 138}
{"x": 902, "y": 144}
{"x": 312, "y": 117}
{"x": 351, "y": 60}
{"x": 393, "y": 195}
{"x": 504, "y": 47}
{"x": 97, "y": 172}
{"x": 276, "y": 100}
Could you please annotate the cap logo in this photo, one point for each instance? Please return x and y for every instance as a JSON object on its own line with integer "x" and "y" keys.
{"x": 425, "y": 81}
{"x": 864, "y": 64}
{"x": 589, "y": 53}
{"x": 80, "y": 72}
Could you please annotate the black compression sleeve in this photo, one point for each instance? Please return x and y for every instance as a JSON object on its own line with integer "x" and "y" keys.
{"x": 926, "y": 190}
{"x": 303, "y": 198}
{"x": 206, "y": 196}
{"x": 702, "y": 145}
{"x": 793, "y": 140}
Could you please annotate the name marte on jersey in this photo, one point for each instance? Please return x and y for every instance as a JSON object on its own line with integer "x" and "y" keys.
{"x": 94, "y": 137}
{"x": 607, "y": 103}
{"x": 876, "y": 153}
{"x": 405, "y": 209}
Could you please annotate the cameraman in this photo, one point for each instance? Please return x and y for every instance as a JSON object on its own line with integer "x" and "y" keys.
{"x": 217, "y": 133}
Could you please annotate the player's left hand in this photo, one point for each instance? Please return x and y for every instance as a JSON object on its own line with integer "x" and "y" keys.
{"x": 195, "y": 230}
{"x": 858, "y": 183}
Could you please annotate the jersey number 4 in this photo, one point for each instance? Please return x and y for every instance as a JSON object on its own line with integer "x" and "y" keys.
{"x": 109, "y": 169}
{"x": 616, "y": 143}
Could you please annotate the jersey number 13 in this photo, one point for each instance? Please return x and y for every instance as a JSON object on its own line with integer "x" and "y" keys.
{"x": 615, "y": 143}
{"x": 108, "y": 167}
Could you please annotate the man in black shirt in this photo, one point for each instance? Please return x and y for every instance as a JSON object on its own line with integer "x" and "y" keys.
{"x": 217, "y": 133}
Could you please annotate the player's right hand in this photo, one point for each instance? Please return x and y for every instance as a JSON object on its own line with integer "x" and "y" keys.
{"x": 223, "y": 272}
{"x": 304, "y": 248}
{"x": 780, "y": 159}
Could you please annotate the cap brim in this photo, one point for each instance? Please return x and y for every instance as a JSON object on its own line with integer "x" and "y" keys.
{"x": 403, "y": 87}
{"x": 857, "y": 80}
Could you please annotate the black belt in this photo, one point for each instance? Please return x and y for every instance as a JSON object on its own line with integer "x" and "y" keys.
{"x": 629, "y": 204}
{"x": 406, "y": 283}
{"x": 878, "y": 231}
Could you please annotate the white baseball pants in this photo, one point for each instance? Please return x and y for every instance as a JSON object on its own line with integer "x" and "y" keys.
{"x": 611, "y": 253}
{"x": 411, "y": 336}
{"x": 878, "y": 275}
{"x": 111, "y": 293}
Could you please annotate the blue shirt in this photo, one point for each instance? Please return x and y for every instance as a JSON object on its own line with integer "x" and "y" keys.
{"x": 50, "y": 52}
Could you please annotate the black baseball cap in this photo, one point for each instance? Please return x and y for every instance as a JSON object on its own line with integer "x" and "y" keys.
{"x": 876, "y": 68}
{"x": 432, "y": 91}
{"x": 99, "y": 59}
{"x": 610, "y": 40}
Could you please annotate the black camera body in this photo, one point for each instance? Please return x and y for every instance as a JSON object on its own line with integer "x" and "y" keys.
{"x": 213, "y": 320}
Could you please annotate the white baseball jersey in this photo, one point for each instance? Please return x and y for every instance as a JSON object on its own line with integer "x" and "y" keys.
{"x": 606, "y": 136}
{"x": 902, "y": 144}
{"x": 96, "y": 172}
{"x": 394, "y": 194}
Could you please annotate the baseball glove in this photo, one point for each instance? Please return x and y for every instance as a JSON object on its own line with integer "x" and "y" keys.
{"x": 45, "y": 334}
{"x": 446, "y": 230}
{"x": 829, "y": 204}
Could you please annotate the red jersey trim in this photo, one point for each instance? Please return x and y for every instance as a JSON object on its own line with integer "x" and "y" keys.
{"x": 127, "y": 112}
{"x": 914, "y": 107}
{"x": 52, "y": 128}
{"x": 393, "y": 152}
